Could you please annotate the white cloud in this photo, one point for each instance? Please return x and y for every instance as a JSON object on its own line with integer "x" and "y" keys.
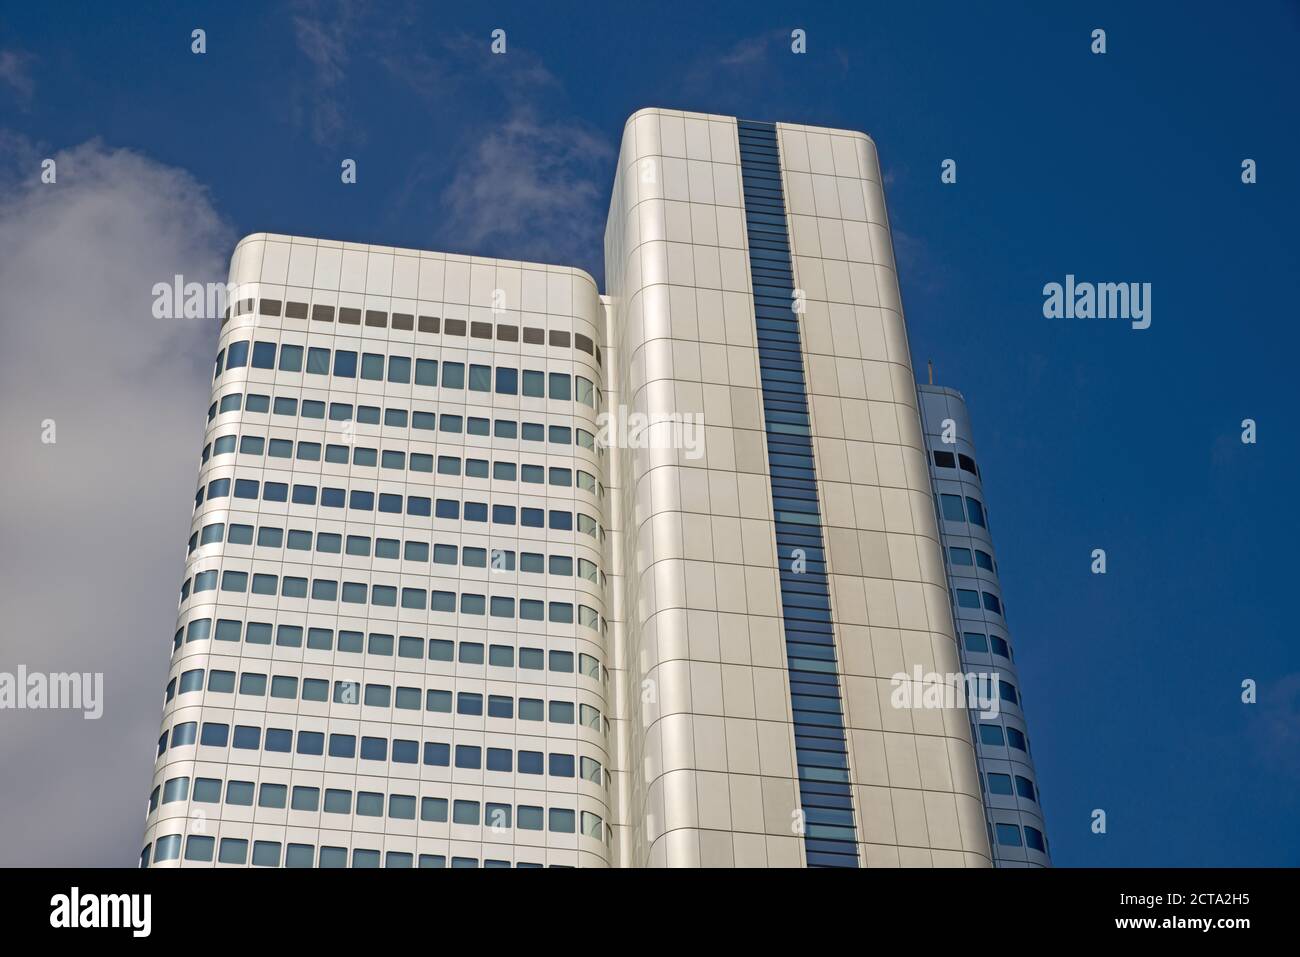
{"x": 94, "y": 525}
{"x": 531, "y": 190}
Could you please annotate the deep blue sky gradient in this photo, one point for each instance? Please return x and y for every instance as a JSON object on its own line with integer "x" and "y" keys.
{"x": 1122, "y": 167}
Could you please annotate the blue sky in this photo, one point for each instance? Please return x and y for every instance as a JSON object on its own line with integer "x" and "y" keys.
{"x": 1124, "y": 167}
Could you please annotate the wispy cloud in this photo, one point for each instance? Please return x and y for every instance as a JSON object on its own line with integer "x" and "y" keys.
{"x": 322, "y": 31}
{"x": 15, "y": 73}
{"x": 527, "y": 182}
{"x": 747, "y": 51}
{"x": 1279, "y": 738}
{"x": 915, "y": 260}
{"x": 740, "y": 69}
{"x": 531, "y": 189}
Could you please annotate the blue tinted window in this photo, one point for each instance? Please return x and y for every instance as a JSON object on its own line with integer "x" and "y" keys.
{"x": 1034, "y": 838}
{"x": 264, "y": 355}
{"x": 399, "y": 369}
{"x": 239, "y": 793}
{"x": 560, "y": 820}
{"x": 991, "y": 734}
{"x": 561, "y": 765}
{"x": 214, "y": 735}
{"x": 345, "y": 363}
{"x": 999, "y": 783}
{"x": 426, "y": 372}
{"x": 291, "y": 358}
{"x": 530, "y": 762}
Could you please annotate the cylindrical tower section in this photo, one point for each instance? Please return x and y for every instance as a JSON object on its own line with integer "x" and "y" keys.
{"x": 1012, "y": 805}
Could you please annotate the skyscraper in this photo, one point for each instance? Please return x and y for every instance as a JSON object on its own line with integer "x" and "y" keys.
{"x": 393, "y": 607}
{"x": 1011, "y": 800}
{"x": 490, "y": 570}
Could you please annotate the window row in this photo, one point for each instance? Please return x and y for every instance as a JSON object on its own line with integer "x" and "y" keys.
{"x": 991, "y": 735}
{"x": 1008, "y": 835}
{"x": 946, "y": 460}
{"x": 406, "y": 322}
{"x": 360, "y": 546}
{"x": 1006, "y": 690}
{"x": 962, "y": 557}
{"x": 387, "y": 596}
{"x": 1002, "y": 784}
{"x": 953, "y": 511}
{"x": 234, "y": 850}
{"x": 434, "y": 754}
{"x": 981, "y": 644}
{"x": 199, "y": 847}
{"x": 969, "y": 598}
{"x": 397, "y": 460}
{"x": 403, "y": 370}
{"x": 374, "y": 695}
{"x": 449, "y": 423}
{"x": 392, "y": 503}
{"x": 406, "y": 646}
{"x": 398, "y": 807}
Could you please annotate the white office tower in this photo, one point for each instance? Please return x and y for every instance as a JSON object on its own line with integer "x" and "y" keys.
{"x": 391, "y": 646}
{"x": 430, "y": 619}
{"x": 1011, "y": 799}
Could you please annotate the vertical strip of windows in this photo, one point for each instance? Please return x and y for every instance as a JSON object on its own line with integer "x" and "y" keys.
{"x": 824, "y": 790}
